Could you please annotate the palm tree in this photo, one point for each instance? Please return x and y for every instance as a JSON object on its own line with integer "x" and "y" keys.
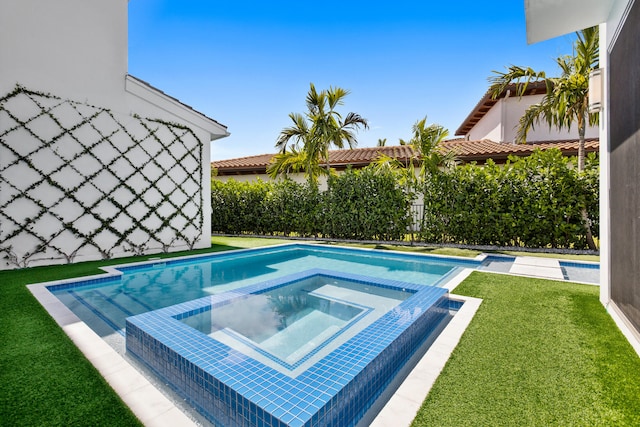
{"x": 305, "y": 145}
{"x": 567, "y": 97}
{"x": 292, "y": 161}
{"x": 566, "y": 100}
{"x": 382, "y": 142}
{"x": 425, "y": 143}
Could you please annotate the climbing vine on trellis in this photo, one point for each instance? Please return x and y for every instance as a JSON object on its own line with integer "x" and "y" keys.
{"x": 79, "y": 179}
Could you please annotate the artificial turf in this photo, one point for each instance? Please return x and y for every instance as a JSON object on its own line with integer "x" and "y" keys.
{"x": 44, "y": 379}
{"x": 537, "y": 353}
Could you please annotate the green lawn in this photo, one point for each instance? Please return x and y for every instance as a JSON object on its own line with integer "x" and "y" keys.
{"x": 537, "y": 353}
{"x": 44, "y": 379}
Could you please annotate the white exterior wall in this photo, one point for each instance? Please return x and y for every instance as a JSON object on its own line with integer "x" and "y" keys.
{"x": 71, "y": 57}
{"x": 79, "y": 182}
{"x": 147, "y": 102}
{"x": 605, "y": 217}
{"x": 501, "y": 122}
{"x": 515, "y": 110}
{"x": 489, "y": 126}
{"x": 75, "y": 49}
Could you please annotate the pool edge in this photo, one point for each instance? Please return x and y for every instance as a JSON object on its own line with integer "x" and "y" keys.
{"x": 403, "y": 406}
{"x": 147, "y": 403}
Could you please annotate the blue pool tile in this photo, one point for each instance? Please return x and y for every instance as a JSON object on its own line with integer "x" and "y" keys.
{"x": 231, "y": 388}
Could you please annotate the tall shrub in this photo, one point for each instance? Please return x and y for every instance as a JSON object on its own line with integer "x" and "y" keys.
{"x": 366, "y": 204}
{"x": 237, "y": 207}
{"x": 534, "y": 201}
{"x": 291, "y": 207}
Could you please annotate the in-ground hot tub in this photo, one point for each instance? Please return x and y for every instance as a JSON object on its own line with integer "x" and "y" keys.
{"x": 312, "y": 348}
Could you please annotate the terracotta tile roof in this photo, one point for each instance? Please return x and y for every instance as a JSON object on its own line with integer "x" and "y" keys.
{"x": 339, "y": 159}
{"x": 480, "y": 151}
{"x": 250, "y": 162}
{"x": 466, "y": 151}
{"x": 486, "y": 102}
{"x": 364, "y": 156}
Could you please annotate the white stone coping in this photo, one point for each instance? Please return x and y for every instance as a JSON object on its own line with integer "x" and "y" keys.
{"x": 148, "y": 404}
{"x": 403, "y": 406}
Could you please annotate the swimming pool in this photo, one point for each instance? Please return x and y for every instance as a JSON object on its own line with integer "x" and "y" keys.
{"x": 105, "y": 303}
{"x": 287, "y": 335}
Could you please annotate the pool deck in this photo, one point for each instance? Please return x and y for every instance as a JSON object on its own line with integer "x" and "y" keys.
{"x": 547, "y": 268}
{"x": 154, "y": 408}
{"x": 542, "y": 268}
{"x": 151, "y": 406}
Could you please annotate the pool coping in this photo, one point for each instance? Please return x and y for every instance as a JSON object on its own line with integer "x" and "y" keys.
{"x": 148, "y": 404}
{"x": 404, "y": 404}
{"x": 153, "y": 408}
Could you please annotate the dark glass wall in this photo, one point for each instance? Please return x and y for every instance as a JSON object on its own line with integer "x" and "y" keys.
{"x": 624, "y": 148}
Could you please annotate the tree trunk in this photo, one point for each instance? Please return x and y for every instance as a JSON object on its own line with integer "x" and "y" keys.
{"x": 587, "y": 226}
{"x": 582, "y": 124}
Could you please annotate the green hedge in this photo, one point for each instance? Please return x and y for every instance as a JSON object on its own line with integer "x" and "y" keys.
{"x": 533, "y": 202}
{"x": 365, "y": 204}
{"x": 359, "y": 204}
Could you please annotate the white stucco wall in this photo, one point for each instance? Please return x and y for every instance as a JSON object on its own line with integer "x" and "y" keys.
{"x": 605, "y": 217}
{"x": 147, "y": 102}
{"x": 515, "y": 109}
{"x": 500, "y": 123}
{"x": 489, "y": 126}
{"x": 79, "y": 182}
{"x": 65, "y": 47}
{"x": 76, "y": 52}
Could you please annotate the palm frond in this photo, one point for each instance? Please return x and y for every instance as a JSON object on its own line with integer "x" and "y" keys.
{"x": 531, "y": 117}
{"x": 318, "y": 129}
{"x": 521, "y": 77}
{"x": 285, "y": 163}
{"x": 335, "y": 97}
{"x": 298, "y": 132}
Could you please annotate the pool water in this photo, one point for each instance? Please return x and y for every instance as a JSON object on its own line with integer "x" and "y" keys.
{"x": 294, "y": 335}
{"x": 295, "y": 321}
{"x": 105, "y": 305}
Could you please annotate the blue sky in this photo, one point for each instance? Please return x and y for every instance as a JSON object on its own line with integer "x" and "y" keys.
{"x": 249, "y": 64}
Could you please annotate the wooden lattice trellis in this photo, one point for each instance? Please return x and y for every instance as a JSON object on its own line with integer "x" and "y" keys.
{"x": 79, "y": 179}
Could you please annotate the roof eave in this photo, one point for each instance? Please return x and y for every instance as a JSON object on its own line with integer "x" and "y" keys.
{"x": 547, "y": 19}
{"x": 488, "y": 101}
